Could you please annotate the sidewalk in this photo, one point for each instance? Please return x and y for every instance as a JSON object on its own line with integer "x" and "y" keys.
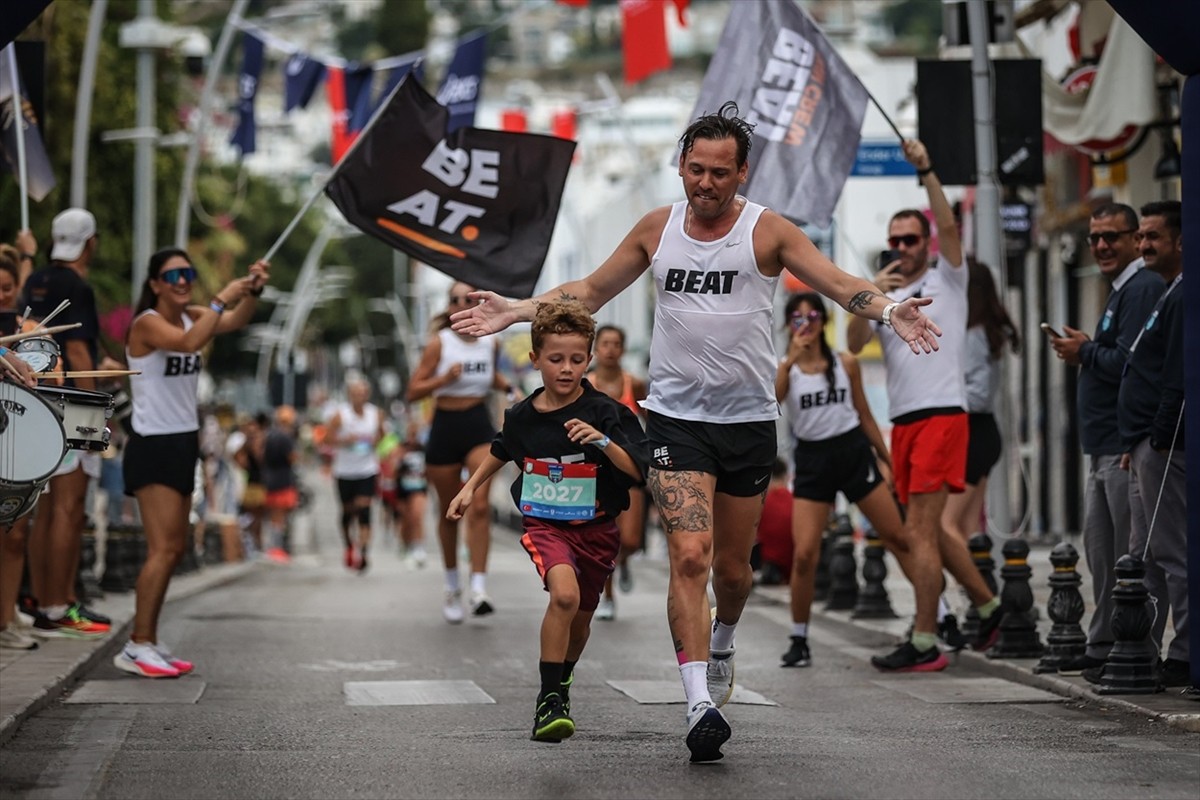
{"x": 1170, "y": 707}
{"x": 31, "y": 680}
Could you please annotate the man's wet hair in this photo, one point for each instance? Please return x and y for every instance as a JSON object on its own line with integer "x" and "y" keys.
{"x": 724, "y": 124}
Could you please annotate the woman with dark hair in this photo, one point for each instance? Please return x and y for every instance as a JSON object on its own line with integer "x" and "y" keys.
{"x": 989, "y": 330}
{"x": 459, "y": 372}
{"x": 163, "y": 346}
{"x": 838, "y": 449}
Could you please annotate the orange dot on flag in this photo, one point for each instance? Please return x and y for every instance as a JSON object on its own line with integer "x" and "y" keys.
{"x": 470, "y": 233}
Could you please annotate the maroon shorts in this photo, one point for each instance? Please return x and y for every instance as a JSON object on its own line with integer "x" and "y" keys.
{"x": 591, "y": 548}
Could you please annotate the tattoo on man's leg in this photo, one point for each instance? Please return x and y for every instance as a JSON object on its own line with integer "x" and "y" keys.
{"x": 682, "y": 503}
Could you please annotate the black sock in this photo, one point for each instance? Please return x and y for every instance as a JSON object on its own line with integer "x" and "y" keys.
{"x": 568, "y": 671}
{"x": 552, "y": 676}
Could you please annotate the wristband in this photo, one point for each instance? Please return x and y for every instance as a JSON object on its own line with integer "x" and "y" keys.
{"x": 921, "y": 173}
{"x": 602, "y": 443}
{"x": 887, "y": 313}
{"x": 4, "y": 351}
{"x": 216, "y": 305}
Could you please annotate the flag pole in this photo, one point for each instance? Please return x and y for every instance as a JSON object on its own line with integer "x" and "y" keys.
{"x": 337, "y": 167}
{"x": 19, "y": 128}
{"x": 886, "y": 118}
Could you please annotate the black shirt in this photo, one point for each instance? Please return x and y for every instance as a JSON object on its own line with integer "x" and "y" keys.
{"x": 45, "y": 290}
{"x": 529, "y": 433}
{"x": 1150, "y": 402}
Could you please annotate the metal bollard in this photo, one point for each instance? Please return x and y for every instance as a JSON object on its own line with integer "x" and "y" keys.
{"x": 980, "y": 546}
{"x": 1130, "y": 666}
{"x": 873, "y": 601}
{"x": 843, "y": 569}
{"x": 1066, "y": 640}
{"x": 1018, "y": 632}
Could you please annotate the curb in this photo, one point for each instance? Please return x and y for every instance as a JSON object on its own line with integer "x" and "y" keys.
{"x": 182, "y": 587}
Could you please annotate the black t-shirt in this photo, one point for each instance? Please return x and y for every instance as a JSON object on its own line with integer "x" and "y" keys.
{"x": 46, "y": 289}
{"x": 530, "y": 433}
{"x": 277, "y": 461}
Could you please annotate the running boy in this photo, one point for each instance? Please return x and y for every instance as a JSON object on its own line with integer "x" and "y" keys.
{"x": 579, "y": 452}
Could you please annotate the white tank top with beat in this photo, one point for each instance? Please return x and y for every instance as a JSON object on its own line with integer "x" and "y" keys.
{"x": 358, "y": 460}
{"x": 815, "y": 411}
{"x": 712, "y": 355}
{"x": 478, "y": 359}
{"x": 164, "y": 394}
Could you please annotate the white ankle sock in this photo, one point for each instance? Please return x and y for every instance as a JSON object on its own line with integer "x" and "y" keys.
{"x": 800, "y": 629}
{"x": 943, "y": 608}
{"x": 722, "y": 635}
{"x": 478, "y": 582}
{"x": 695, "y": 681}
{"x": 452, "y": 580}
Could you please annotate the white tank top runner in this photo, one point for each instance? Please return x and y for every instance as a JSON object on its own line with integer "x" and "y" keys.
{"x": 478, "y": 358}
{"x": 816, "y": 412}
{"x": 712, "y": 356}
{"x": 356, "y": 460}
{"x": 164, "y": 394}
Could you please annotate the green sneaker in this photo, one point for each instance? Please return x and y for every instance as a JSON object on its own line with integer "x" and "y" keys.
{"x": 565, "y": 692}
{"x": 551, "y": 723}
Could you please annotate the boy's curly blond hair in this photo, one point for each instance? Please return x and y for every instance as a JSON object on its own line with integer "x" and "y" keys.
{"x": 562, "y": 315}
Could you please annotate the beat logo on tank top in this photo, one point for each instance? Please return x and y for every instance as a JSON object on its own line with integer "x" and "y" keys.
{"x": 475, "y": 367}
{"x": 694, "y": 281}
{"x": 183, "y": 365}
{"x": 827, "y": 398}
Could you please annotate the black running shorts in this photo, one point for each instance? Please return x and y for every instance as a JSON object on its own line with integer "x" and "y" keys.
{"x": 168, "y": 459}
{"x": 983, "y": 446}
{"x": 845, "y": 463}
{"x": 453, "y": 434}
{"x": 740, "y": 454}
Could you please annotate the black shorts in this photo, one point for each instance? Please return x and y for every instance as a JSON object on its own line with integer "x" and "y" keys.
{"x": 168, "y": 459}
{"x": 740, "y": 454}
{"x": 453, "y": 434}
{"x": 349, "y": 489}
{"x": 983, "y": 446}
{"x": 845, "y": 463}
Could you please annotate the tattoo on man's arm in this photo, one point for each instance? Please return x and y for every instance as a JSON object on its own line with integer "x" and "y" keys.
{"x": 861, "y": 300}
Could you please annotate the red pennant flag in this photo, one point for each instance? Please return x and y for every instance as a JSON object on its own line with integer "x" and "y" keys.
{"x": 514, "y": 120}
{"x": 335, "y": 89}
{"x": 680, "y": 6}
{"x": 644, "y": 38}
{"x": 576, "y": 3}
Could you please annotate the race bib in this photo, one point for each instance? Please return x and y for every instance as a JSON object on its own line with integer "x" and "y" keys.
{"x": 558, "y": 491}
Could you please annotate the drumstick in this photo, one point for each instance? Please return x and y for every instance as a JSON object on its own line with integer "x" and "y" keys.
{"x": 53, "y": 314}
{"x": 44, "y": 332}
{"x": 89, "y": 373}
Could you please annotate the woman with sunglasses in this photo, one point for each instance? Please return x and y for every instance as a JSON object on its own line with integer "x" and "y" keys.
{"x": 163, "y": 346}
{"x": 459, "y": 372}
{"x": 838, "y": 449}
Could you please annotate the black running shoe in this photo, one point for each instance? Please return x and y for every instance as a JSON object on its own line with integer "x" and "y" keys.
{"x": 907, "y": 658}
{"x": 91, "y": 615}
{"x": 551, "y": 723}
{"x": 989, "y": 630}
{"x": 564, "y": 689}
{"x": 797, "y": 655}
{"x": 949, "y": 633}
{"x": 1174, "y": 672}
{"x": 1077, "y": 665}
{"x": 1093, "y": 674}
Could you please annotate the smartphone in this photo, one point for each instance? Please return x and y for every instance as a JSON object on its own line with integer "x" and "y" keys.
{"x": 886, "y": 257}
{"x": 1051, "y": 332}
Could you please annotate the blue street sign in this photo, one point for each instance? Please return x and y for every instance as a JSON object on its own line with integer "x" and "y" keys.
{"x": 880, "y": 160}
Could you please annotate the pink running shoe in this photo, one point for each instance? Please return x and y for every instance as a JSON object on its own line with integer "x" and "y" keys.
{"x": 144, "y": 660}
{"x": 180, "y": 664}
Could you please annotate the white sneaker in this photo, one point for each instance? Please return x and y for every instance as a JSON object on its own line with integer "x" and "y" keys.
{"x": 21, "y": 619}
{"x": 707, "y": 731}
{"x": 452, "y": 608}
{"x": 607, "y": 610}
{"x": 720, "y": 675}
{"x": 13, "y": 638}
{"x": 419, "y": 556}
{"x": 144, "y": 660}
{"x": 481, "y": 604}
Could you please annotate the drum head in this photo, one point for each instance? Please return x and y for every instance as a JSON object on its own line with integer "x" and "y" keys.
{"x": 32, "y": 441}
{"x": 38, "y": 360}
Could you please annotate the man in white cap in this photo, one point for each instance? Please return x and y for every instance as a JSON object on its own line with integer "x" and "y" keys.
{"x": 58, "y": 524}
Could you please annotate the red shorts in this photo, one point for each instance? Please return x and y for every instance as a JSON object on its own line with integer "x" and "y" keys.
{"x": 591, "y": 548}
{"x": 284, "y": 499}
{"x": 929, "y": 454}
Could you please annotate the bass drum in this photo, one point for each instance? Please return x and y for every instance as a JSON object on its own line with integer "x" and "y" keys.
{"x": 32, "y": 444}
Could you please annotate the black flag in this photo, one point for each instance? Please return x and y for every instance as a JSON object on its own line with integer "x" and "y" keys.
{"x": 479, "y": 205}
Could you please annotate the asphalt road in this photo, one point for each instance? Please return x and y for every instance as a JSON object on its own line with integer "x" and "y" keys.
{"x": 284, "y": 653}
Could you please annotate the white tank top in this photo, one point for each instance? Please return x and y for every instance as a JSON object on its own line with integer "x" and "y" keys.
{"x": 478, "y": 359}
{"x": 164, "y": 394}
{"x": 816, "y": 412}
{"x": 712, "y": 356}
{"x": 356, "y": 460}
{"x": 930, "y": 380}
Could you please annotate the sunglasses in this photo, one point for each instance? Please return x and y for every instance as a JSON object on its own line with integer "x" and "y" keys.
{"x": 908, "y": 240}
{"x": 173, "y": 275}
{"x": 1109, "y": 237}
{"x": 799, "y": 320}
